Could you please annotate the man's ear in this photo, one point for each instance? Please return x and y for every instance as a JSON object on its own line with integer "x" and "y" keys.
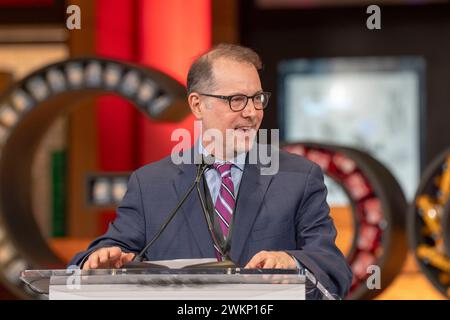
{"x": 195, "y": 105}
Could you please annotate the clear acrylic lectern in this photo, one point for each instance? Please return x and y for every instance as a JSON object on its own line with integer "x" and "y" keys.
{"x": 179, "y": 284}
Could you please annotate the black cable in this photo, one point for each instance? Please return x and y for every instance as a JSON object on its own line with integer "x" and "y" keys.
{"x": 208, "y": 220}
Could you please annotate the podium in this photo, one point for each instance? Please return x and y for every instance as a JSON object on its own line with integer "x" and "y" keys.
{"x": 169, "y": 284}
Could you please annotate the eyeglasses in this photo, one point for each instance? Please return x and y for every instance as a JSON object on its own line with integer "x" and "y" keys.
{"x": 238, "y": 102}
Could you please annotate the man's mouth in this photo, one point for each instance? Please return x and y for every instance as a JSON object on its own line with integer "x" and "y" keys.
{"x": 244, "y": 129}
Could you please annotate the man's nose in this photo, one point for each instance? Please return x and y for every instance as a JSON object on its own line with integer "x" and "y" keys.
{"x": 249, "y": 110}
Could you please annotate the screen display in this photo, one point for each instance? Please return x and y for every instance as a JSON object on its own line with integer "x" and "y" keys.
{"x": 372, "y": 104}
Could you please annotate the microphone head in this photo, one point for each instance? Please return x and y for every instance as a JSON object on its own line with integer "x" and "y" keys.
{"x": 209, "y": 160}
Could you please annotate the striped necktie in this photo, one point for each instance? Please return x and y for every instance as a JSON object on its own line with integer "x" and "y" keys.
{"x": 226, "y": 200}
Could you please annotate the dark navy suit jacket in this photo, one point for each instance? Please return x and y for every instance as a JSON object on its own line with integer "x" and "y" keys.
{"x": 282, "y": 212}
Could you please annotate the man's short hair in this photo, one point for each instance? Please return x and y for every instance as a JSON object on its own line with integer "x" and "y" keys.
{"x": 200, "y": 73}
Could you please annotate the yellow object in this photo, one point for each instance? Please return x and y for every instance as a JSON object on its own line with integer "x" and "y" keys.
{"x": 431, "y": 213}
{"x": 435, "y": 258}
{"x": 444, "y": 183}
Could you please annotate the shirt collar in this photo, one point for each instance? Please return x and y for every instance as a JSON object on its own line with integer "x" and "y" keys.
{"x": 238, "y": 161}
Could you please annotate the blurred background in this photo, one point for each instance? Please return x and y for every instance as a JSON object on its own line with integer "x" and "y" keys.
{"x": 68, "y": 142}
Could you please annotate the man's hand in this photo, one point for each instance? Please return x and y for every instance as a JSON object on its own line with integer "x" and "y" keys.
{"x": 271, "y": 260}
{"x": 106, "y": 258}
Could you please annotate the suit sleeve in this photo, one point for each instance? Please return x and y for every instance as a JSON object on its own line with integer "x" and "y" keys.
{"x": 316, "y": 237}
{"x": 127, "y": 231}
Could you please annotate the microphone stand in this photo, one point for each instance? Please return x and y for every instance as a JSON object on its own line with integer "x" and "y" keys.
{"x": 225, "y": 263}
{"x": 138, "y": 260}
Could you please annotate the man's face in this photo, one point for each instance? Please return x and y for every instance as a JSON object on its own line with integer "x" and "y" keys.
{"x": 230, "y": 78}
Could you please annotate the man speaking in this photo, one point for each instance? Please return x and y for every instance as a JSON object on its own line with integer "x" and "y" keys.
{"x": 278, "y": 220}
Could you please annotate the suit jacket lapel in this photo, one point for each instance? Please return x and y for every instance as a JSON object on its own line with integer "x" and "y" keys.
{"x": 252, "y": 189}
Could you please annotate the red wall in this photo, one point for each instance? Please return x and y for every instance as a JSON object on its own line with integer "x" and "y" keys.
{"x": 166, "y": 35}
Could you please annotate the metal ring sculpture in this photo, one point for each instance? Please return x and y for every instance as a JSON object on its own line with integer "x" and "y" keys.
{"x": 378, "y": 207}
{"x": 26, "y": 111}
{"x": 429, "y": 223}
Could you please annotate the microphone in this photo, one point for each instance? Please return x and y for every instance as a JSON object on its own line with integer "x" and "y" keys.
{"x": 138, "y": 260}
